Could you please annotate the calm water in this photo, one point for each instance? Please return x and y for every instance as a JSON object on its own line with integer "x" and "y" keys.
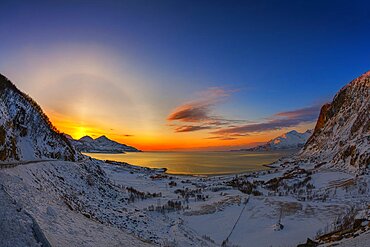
{"x": 198, "y": 163}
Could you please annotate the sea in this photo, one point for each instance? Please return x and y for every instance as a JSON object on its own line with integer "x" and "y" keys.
{"x": 199, "y": 163}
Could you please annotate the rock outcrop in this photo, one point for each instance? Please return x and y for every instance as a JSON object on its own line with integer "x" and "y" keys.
{"x": 26, "y": 133}
{"x": 342, "y": 133}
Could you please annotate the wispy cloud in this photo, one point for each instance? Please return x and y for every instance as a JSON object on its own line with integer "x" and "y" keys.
{"x": 308, "y": 113}
{"x": 277, "y": 121}
{"x": 199, "y": 112}
{"x": 222, "y": 138}
{"x": 189, "y": 128}
{"x": 190, "y": 113}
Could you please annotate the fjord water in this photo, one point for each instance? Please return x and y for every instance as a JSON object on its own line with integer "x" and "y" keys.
{"x": 198, "y": 163}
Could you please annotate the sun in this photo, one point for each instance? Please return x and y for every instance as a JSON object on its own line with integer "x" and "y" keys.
{"x": 80, "y": 132}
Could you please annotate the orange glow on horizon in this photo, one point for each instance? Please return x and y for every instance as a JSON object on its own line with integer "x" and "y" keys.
{"x": 163, "y": 141}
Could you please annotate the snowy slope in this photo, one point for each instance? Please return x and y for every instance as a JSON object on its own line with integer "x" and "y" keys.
{"x": 342, "y": 133}
{"x": 101, "y": 145}
{"x": 25, "y": 131}
{"x": 60, "y": 196}
{"x": 17, "y": 228}
{"x": 289, "y": 140}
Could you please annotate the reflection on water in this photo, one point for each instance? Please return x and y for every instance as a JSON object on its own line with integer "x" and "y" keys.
{"x": 198, "y": 163}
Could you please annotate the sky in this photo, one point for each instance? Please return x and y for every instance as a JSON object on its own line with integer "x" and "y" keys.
{"x": 189, "y": 75}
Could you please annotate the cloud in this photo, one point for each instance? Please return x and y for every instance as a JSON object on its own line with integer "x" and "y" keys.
{"x": 222, "y": 138}
{"x": 189, "y": 128}
{"x": 199, "y": 112}
{"x": 308, "y": 113}
{"x": 190, "y": 113}
{"x": 277, "y": 121}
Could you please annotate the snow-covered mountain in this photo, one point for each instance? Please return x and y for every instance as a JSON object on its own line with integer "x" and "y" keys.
{"x": 26, "y": 133}
{"x": 342, "y": 133}
{"x": 289, "y": 140}
{"x": 101, "y": 145}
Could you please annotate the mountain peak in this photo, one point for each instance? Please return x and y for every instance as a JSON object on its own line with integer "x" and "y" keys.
{"x": 290, "y": 140}
{"x": 86, "y": 139}
{"x": 293, "y": 131}
{"x": 365, "y": 75}
{"x": 103, "y": 138}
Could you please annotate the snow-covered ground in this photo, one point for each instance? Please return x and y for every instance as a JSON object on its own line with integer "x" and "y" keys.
{"x": 92, "y": 203}
{"x": 37, "y": 190}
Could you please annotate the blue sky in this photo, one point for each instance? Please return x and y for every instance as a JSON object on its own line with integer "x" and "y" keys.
{"x": 270, "y": 56}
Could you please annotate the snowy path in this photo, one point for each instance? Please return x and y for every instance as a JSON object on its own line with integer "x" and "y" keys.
{"x": 4, "y": 165}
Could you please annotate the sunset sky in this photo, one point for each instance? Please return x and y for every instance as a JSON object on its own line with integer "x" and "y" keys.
{"x": 165, "y": 75}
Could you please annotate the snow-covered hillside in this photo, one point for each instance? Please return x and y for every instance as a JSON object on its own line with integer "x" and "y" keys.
{"x": 342, "y": 134}
{"x": 289, "y": 140}
{"x": 25, "y": 131}
{"x": 101, "y": 145}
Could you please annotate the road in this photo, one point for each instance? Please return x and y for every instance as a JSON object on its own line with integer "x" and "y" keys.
{"x": 17, "y": 163}
{"x": 4, "y": 165}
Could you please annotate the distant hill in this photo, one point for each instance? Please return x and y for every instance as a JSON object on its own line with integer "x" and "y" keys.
{"x": 287, "y": 141}
{"x": 101, "y": 144}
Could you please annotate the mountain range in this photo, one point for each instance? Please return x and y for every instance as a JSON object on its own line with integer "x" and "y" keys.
{"x": 101, "y": 144}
